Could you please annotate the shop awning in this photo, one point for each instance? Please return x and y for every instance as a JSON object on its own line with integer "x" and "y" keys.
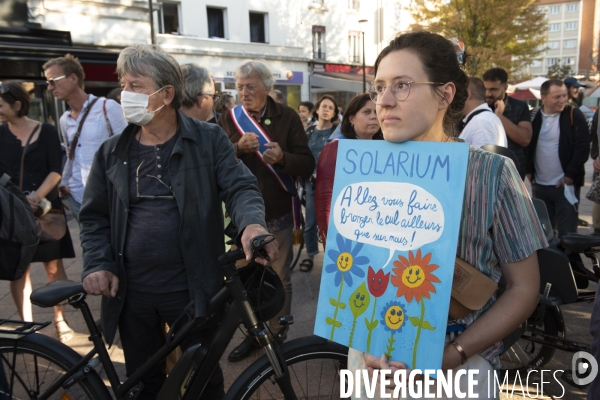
{"x": 523, "y": 95}
{"x": 339, "y": 82}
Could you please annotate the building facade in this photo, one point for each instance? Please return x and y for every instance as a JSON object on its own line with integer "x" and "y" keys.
{"x": 573, "y": 40}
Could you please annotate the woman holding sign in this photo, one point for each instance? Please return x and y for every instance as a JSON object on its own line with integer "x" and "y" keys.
{"x": 419, "y": 91}
{"x": 326, "y": 114}
{"x": 360, "y": 122}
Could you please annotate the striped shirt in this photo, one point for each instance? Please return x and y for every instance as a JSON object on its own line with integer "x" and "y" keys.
{"x": 499, "y": 225}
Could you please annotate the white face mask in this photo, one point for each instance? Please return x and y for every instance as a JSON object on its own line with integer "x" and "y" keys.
{"x": 135, "y": 107}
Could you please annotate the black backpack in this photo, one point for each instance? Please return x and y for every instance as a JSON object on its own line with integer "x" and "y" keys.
{"x": 18, "y": 231}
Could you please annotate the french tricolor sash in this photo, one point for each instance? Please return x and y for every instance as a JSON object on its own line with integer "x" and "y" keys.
{"x": 245, "y": 123}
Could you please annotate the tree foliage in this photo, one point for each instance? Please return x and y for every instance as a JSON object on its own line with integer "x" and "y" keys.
{"x": 558, "y": 71}
{"x": 497, "y": 33}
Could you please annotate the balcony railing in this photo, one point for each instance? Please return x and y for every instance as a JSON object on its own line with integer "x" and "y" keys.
{"x": 318, "y": 55}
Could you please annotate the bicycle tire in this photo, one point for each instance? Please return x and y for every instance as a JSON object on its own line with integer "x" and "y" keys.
{"x": 310, "y": 360}
{"x": 40, "y": 361}
{"x": 524, "y": 355}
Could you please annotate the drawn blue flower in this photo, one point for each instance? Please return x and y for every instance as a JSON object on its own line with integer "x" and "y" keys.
{"x": 393, "y": 316}
{"x": 346, "y": 261}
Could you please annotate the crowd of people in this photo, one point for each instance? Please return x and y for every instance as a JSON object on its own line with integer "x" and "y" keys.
{"x": 152, "y": 171}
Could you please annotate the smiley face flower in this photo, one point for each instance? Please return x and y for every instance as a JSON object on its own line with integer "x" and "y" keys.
{"x": 393, "y": 317}
{"x": 346, "y": 261}
{"x": 378, "y": 282}
{"x": 413, "y": 276}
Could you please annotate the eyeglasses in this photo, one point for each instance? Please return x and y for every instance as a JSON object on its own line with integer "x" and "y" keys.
{"x": 52, "y": 81}
{"x": 215, "y": 96}
{"x": 249, "y": 88}
{"x": 400, "y": 89}
{"x": 6, "y": 90}
{"x": 137, "y": 186}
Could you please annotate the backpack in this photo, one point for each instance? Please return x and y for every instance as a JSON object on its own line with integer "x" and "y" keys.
{"x": 18, "y": 231}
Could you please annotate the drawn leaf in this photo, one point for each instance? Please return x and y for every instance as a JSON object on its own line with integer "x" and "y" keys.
{"x": 415, "y": 321}
{"x": 337, "y": 324}
{"x": 342, "y": 305}
{"x": 427, "y": 325}
{"x": 329, "y": 321}
{"x": 333, "y": 302}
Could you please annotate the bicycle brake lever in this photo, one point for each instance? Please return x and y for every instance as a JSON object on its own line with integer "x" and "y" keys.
{"x": 258, "y": 243}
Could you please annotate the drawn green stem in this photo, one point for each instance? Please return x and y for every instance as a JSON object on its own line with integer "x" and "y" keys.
{"x": 370, "y": 329}
{"x": 414, "y": 360}
{"x": 352, "y": 333}
{"x": 390, "y": 347}
{"x": 337, "y": 307}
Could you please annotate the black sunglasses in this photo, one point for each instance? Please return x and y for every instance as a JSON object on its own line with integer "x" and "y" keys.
{"x": 6, "y": 90}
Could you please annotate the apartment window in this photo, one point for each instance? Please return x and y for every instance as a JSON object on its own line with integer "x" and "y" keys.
{"x": 354, "y": 5}
{"x": 568, "y": 61}
{"x": 318, "y": 36}
{"x": 354, "y": 46}
{"x": 536, "y": 63}
{"x": 554, "y": 44}
{"x": 216, "y": 22}
{"x": 572, "y": 7}
{"x": 554, "y": 10}
{"x": 552, "y": 61}
{"x": 570, "y": 26}
{"x": 570, "y": 44}
{"x": 553, "y": 27}
{"x": 258, "y": 27}
{"x": 168, "y": 18}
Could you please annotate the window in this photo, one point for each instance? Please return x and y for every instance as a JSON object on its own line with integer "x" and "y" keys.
{"x": 572, "y": 7}
{"x": 169, "y": 18}
{"x": 570, "y": 44}
{"x": 354, "y": 47}
{"x": 552, "y": 61}
{"x": 258, "y": 25}
{"x": 553, "y": 27}
{"x": 571, "y": 26}
{"x": 216, "y": 22}
{"x": 568, "y": 61}
{"x": 536, "y": 63}
{"x": 554, "y": 44}
{"x": 318, "y": 36}
{"x": 554, "y": 10}
{"x": 354, "y": 5}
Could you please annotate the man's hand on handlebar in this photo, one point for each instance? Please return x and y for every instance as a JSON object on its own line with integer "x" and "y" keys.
{"x": 252, "y": 231}
{"x": 101, "y": 282}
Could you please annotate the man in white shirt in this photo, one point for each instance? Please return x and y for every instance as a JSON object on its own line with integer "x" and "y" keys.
{"x": 102, "y": 119}
{"x": 557, "y": 154}
{"x": 480, "y": 125}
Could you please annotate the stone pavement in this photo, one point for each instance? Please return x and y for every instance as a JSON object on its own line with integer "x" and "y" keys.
{"x": 306, "y": 286}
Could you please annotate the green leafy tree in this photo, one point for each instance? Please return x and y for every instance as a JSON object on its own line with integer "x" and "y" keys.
{"x": 497, "y": 33}
{"x": 558, "y": 71}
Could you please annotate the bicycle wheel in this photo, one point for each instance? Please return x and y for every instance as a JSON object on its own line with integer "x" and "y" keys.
{"x": 313, "y": 363}
{"x": 37, "y": 362}
{"x": 525, "y": 354}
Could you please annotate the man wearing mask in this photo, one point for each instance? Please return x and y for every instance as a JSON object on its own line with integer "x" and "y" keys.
{"x": 513, "y": 113}
{"x": 151, "y": 225}
{"x": 199, "y": 97}
{"x": 89, "y": 121}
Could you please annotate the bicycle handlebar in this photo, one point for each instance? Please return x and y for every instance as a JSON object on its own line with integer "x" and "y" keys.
{"x": 258, "y": 248}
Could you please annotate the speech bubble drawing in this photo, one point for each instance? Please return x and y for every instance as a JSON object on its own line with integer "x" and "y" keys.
{"x": 392, "y": 215}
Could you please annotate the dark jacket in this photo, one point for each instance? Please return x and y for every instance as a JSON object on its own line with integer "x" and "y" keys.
{"x": 594, "y": 135}
{"x": 573, "y": 144}
{"x": 203, "y": 171}
{"x": 285, "y": 128}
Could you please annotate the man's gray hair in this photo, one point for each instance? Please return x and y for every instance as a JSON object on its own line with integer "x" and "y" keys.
{"x": 154, "y": 62}
{"x": 258, "y": 68}
{"x": 196, "y": 80}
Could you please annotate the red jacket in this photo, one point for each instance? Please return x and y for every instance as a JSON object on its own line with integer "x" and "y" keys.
{"x": 324, "y": 186}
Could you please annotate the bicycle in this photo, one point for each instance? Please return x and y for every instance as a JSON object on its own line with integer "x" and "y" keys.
{"x": 563, "y": 280}
{"x": 40, "y": 367}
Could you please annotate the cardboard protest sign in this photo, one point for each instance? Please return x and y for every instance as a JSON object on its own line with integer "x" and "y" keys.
{"x": 391, "y": 246}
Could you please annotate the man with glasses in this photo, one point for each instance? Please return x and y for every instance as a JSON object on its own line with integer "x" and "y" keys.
{"x": 199, "y": 97}
{"x": 87, "y": 123}
{"x": 151, "y": 222}
{"x": 269, "y": 138}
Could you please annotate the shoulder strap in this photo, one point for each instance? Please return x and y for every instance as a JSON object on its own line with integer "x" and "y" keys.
{"x": 83, "y": 118}
{"x": 473, "y": 114}
{"x": 108, "y": 128}
{"x": 24, "y": 152}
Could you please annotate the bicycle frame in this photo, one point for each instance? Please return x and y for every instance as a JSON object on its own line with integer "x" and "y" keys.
{"x": 240, "y": 311}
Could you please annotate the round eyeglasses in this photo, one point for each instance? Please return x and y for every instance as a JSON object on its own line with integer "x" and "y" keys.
{"x": 400, "y": 89}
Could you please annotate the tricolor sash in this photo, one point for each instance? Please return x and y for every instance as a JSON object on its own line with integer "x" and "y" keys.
{"x": 244, "y": 123}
